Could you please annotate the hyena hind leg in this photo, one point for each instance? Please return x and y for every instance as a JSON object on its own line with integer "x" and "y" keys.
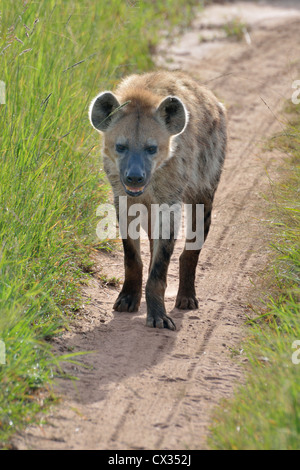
{"x": 186, "y": 297}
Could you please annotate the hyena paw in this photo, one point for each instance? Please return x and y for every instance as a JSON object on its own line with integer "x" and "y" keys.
{"x": 160, "y": 321}
{"x": 127, "y": 302}
{"x": 186, "y": 302}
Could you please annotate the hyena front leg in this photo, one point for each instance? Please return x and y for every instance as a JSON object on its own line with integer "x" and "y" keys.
{"x": 157, "y": 283}
{"x": 186, "y": 297}
{"x": 130, "y": 296}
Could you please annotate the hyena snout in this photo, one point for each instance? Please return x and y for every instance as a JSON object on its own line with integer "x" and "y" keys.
{"x": 135, "y": 177}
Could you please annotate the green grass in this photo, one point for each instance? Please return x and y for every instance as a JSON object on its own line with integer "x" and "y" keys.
{"x": 265, "y": 413}
{"x": 235, "y": 28}
{"x": 55, "y": 56}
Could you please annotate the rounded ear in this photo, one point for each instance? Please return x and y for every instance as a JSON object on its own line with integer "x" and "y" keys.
{"x": 101, "y": 110}
{"x": 172, "y": 112}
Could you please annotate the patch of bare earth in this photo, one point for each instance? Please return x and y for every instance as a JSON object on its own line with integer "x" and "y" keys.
{"x": 155, "y": 389}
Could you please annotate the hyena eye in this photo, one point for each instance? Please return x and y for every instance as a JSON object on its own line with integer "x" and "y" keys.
{"x": 121, "y": 148}
{"x": 152, "y": 149}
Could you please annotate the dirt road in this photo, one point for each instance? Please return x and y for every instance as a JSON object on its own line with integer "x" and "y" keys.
{"x": 155, "y": 389}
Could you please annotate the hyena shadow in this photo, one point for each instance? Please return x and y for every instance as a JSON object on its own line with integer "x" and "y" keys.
{"x": 122, "y": 350}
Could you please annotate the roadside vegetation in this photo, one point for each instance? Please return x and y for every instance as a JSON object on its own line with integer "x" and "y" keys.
{"x": 265, "y": 413}
{"x": 55, "y": 56}
{"x": 235, "y": 29}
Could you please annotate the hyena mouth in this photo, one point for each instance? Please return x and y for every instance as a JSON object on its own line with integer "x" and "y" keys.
{"x": 134, "y": 191}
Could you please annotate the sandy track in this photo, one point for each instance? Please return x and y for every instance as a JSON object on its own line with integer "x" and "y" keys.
{"x": 155, "y": 389}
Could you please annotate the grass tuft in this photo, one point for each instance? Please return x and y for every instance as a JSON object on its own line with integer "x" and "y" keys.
{"x": 235, "y": 28}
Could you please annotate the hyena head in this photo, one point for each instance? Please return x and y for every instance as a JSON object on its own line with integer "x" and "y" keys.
{"x": 138, "y": 131}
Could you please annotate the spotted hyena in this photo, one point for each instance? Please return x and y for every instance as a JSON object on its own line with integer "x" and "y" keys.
{"x": 164, "y": 142}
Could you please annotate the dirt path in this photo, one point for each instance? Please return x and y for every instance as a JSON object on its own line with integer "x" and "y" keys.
{"x": 155, "y": 389}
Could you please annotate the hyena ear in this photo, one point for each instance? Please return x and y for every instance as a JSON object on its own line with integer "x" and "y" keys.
{"x": 101, "y": 110}
{"x": 173, "y": 114}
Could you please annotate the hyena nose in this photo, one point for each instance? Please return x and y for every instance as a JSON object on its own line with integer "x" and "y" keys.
{"x": 135, "y": 178}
